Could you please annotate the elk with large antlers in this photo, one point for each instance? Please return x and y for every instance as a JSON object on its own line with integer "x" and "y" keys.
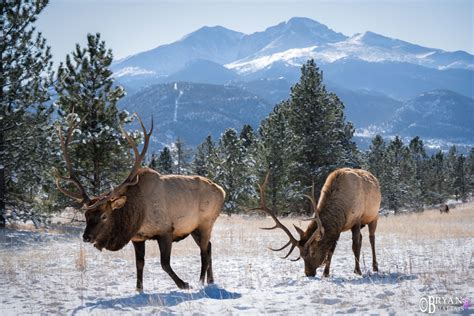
{"x": 350, "y": 199}
{"x": 148, "y": 205}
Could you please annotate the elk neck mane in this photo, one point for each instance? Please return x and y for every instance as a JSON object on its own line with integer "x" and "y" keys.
{"x": 127, "y": 221}
{"x": 331, "y": 213}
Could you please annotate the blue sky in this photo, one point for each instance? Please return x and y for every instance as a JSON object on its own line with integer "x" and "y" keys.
{"x": 132, "y": 26}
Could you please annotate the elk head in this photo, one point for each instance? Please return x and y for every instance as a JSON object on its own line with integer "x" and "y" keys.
{"x": 308, "y": 244}
{"x": 102, "y": 228}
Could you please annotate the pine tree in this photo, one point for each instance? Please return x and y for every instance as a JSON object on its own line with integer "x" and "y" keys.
{"x": 85, "y": 86}
{"x": 460, "y": 182}
{"x": 25, "y": 70}
{"x": 419, "y": 181}
{"x": 181, "y": 157}
{"x": 165, "y": 162}
{"x": 400, "y": 188}
{"x": 318, "y": 137}
{"x": 470, "y": 170}
{"x": 376, "y": 157}
{"x": 273, "y": 153}
{"x": 205, "y": 159}
{"x": 251, "y": 165}
{"x": 436, "y": 186}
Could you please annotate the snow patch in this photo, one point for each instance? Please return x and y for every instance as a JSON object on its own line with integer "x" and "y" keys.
{"x": 132, "y": 71}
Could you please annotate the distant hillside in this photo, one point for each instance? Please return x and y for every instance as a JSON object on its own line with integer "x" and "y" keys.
{"x": 439, "y": 114}
{"x": 193, "y": 111}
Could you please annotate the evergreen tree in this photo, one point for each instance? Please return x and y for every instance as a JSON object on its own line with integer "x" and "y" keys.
{"x": 25, "y": 75}
{"x": 165, "y": 162}
{"x": 376, "y": 157}
{"x": 470, "y": 170}
{"x": 460, "y": 181}
{"x": 247, "y": 136}
{"x": 85, "y": 87}
{"x": 227, "y": 173}
{"x": 419, "y": 181}
{"x": 252, "y": 166}
{"x": 436, "y": 186}
{"x": 319, "y": 140}
{"x": 450, "y": 170}
{"x": 399, "y": 189}
{"x": 273, "y": 153}
{"x": 181, "y": 157}
{"x": 205, "y": 159}
{"x": 153, "y": 161}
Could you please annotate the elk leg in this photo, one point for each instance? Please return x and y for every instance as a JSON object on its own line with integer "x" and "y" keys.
{"x": 328, "y": 262}
{"x": 202, "y": 240}
{"x": 210, "y": 276}
{"x": 356, "y": 245}
{"x": 165, "y": 243}
{"x": 139, "y": 262}
{"x": 372, "y": 227}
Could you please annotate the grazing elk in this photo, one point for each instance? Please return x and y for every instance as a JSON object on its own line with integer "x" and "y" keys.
{"x": 444, "y": 209}
{"x": 146, "y": 206}
{"x": 350, "y": 199}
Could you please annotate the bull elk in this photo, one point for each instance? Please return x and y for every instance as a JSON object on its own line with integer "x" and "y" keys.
{"x": 350, "y": 199}
{"x": 148, "y": 205}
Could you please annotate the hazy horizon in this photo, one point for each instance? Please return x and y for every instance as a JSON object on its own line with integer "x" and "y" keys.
{"x": 130, "y": 27}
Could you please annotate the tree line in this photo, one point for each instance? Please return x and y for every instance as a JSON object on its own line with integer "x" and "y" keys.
{"x": 298, "y": 144}
{"x": 304, "y": 139}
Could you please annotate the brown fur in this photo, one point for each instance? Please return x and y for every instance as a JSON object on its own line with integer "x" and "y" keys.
{"x": 444, "y": 209}
{"x": 350, "y": 198}
{"x": 163, "y": 207}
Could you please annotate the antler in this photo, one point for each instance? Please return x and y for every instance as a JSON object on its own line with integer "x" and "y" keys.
{"x": 132, "y": 177}
{"x": 82, "y": 197}
{"x": 293, "y": 242}
{"x": 319, "y": 232}
{"x": 138, "y": 157}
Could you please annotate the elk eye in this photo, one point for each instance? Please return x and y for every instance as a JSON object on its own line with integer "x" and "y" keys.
{"x": 103, "y": 217}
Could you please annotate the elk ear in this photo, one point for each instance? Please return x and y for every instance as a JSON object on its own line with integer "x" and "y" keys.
{"x": 119, "y": 202}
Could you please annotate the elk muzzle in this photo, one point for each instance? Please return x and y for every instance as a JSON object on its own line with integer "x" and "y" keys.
{"x": 309, "y": 271}
{"x": 86, "y": 237}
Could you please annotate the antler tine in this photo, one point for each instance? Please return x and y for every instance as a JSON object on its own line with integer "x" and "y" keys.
{"x": 318, "y": 234}
{"x": 289, "y": 252}
{"x": 280, "y": 249}
{"x": 146, "y": 135}
{"x": 132, "y": 177}
{"x": 278, "y": 224}
{"x": 82, "y": 196}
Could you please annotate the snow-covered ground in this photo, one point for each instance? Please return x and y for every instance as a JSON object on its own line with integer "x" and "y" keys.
{"x": 419, "y": 255}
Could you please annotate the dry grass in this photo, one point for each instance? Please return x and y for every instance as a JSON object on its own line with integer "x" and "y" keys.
{"x": 81, "y": 263}
{"x": 459, "y": 223}
{"x": 432, "y": 248}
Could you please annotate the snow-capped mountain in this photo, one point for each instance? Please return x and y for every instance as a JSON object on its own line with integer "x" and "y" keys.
{"x": 291, "y": 43}
{"x": 370, "y": 47}
{"x": 216, "y": 44}
{"x": 370, "y": 72}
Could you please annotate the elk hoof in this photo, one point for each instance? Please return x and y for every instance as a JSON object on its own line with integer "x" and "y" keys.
{"x": 326, "y": 274}
{"x": 184, "y": 286}
{"x": 139, "y": 290}
{"x": 357, "y": 271}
